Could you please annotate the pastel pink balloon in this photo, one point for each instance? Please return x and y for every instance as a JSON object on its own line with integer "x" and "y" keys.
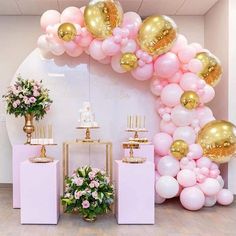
{"x": 195, "y": 66}
{"x": 143, "y": 73}
{"x": 156, "y": 87}
{"x": 70, "y": 46}
{"x": 166, "y": 65}
{"x": 42, "y": 43}
{"x": 208, "y": 95}
{"x": 95, "y": 50}
{"x": 75, "y": 52}
{"x": 189, "y": 81}
{"x": 214, "y": 166}
{"x": 176, "y": 77}
{"x": 109, "y": 47}
{"x": 214, "y": 173}
{"x": 206, "y": 120}
{"x": 84, "y": 41}
{"x": 204, "y": 171}
{"x": 204, "y": 162}
{"x": 186, "y": 178}
{"x": 182, "y": 116}
{"x": 156, "y": 161}
{"x": 185, "y": 133}
{"x": 196, "y": 151}
{"x": 106, "y": 60}
{"x": 57, "y": 48}
{"x": 159, "y": 199}
{"x": 221, "y": 181}
{"x": 50, "y": 17}
{"x": 197, "y": 46}
{"x": 180, "y": 43}
{"x": 210, "y": 187}
{"x": 131, "y": 46}
{"x": 115, "y": 64}
{"x": 167, "y": 186}
{"x": 225, "y": 197}
{"x": 162, "y": 143}
{"x": 82, "y": 9}
{"x": 210, "y": 201}
{"x": 190, "y": 164}
{"x": 72, "y": 15}
{"x": 171, "y": 94}
{"x": 192, "y": 198}
{"x": 186, "y": 54}
{"x": 168, "y": 165}
{"x": 167, "y": 127}
{"x": 132, "y": 21}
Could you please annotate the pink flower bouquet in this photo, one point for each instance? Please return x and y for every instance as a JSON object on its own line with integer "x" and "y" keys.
{"x": 88, "y": 192}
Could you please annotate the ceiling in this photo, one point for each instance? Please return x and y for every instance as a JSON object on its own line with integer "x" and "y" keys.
{"x": 143, "y": 7}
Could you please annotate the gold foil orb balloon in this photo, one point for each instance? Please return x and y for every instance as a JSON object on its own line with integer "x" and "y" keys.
{"x": 66, "y": 32}
{"x": 211, "y": 70}
{"x": 128, "y": 61}
{"x": 102, "y": 16}
{"x": 179, "y": 149}
{"x": 218, "y": 140}
{"x": 189, "y": 100}
{"x": 157, "y": 34}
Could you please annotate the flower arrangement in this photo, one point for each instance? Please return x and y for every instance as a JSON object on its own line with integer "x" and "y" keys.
{"x": 27, "y": 97}
{"x": 88, "y": 192}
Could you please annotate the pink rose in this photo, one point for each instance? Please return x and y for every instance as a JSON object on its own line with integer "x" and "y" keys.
{"x": 91, "y": 185}
{"x": 96, "y": 184}
{"x": 32, "y": 99}
{"x": 15, "y": 104}
{"x": 78, "y": 194}
{"x": 36, "y": 93}
{"x": 95, "y": 195}
{"x": 78, "y": 181}
{"x": 85, "y": 204}
{"x": 92, "y": 175}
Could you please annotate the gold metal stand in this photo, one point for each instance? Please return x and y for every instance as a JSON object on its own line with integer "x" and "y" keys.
{"x": 136, "y": 137}
{"x": 43, "y": 158}
{"x": 87, "y": 137}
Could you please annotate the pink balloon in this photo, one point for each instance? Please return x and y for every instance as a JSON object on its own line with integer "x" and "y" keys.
{"x": 180, "y": 43}
{"x": 206, "y": 120}
{"x": 115, "y": 64}
{"x": 143, "y": 73}
{"x": 132, "y": 21}
{"x": 131, "y": 46}
{"x": 156, "y": 87}
{"x": 210, "y": 187}
{"x": 187, "y": 164}
{"x": 168, "y": 165}
{"x": 42, "y": 43}
{"x": 167, "y": 127}
{"x": 194, "y": 66}
{"x": 186, "y": 178}
{"x": 208, "y": 95}
{"x": 82, "y": 9}
{"x": 210, "y": 201}
{"x": 204, "y": 162}
{"x": 204, "y": 112}
{"x": 72, "y": 15}
{"x": 57, "y": 48}
{"x": 166, "y": 65}
{"x": 221, "y": 181}
{"x": 186, "y": 54}
{"x": 159, "y": 199}
{"x": 156, "y": 161}
{"x": 84, "y": 41}
{"x": 95, "y": 50}
{"x": 189, "y": 81}
{"x": 185, "y": 133}
{"x": 192, "y": 198}
{"x": 171, "y": 94}
{"x": 109, "y": 47}
{"x": 214, "y": 173}
{"x": 162, "y": 143}
{"x": 196, "y": 151}
{"x": 225, "y": 197}
{"x": 106, "y": 60}
{"x": 176, "y": 77}
{"x": 197, "y": 46}
{"x": 70, "y": 46}
{"x": 182, "y": 116}
{"x": 50, "y": 17}
{"x": 167, "y": 186}
{"x": 75, "y": 52}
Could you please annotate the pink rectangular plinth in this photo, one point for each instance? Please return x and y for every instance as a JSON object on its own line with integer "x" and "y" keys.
{"x": 145, "y": 150}
{"x": 135, "y": 193}
{"x": 40, "y": 193}
{"x": 20, "y": 153}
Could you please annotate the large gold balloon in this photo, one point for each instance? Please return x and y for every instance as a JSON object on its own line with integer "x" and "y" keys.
{"x": 179, "y": 149}
{"x": 128, "y": 61}
{"x": 102, "y": 16}
{"x": 157, "y": 34}
{"x": 212, "y": 70}
{"x": 189, "y": 100}
{"x": 218, "y": 140}
{"x": 66, "y": 32}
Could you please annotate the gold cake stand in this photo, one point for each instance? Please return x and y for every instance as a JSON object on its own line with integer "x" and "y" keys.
{"x": 87, "y": 137}
{"x": 136, "y": 137}
{"x": 43, "y": 158}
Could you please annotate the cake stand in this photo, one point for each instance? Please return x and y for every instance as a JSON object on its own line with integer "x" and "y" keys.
{"x": 87, "y": 137}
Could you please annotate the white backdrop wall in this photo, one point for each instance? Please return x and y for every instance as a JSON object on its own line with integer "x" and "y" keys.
{"x": 19, "y": 37}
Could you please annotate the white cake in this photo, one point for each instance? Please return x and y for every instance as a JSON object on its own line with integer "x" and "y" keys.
{"x": 86, "y": 117}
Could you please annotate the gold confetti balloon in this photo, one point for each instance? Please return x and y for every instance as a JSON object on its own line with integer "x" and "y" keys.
{"x": 211, "y": 68}
{"x": 218, "y": 140}
{"x": 179, "y": 149}
{"x": 102, "y": 16}
{"x": 128, "y": 61}
{"x": 66, "y": 32}
{"x": 157, "y": 34}
{"x": 189, "y": 100}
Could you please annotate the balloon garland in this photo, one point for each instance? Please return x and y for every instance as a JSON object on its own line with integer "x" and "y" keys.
{"x": 191, "y": 144}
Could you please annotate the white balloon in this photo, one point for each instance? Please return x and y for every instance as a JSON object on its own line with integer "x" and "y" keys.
{"x": 168, "y": 165}
{"x": 210, "y": 201}
{"x": 185, "y": 133}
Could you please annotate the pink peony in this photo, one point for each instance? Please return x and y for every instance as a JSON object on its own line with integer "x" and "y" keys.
{"x": 32, "y": 99}
{"x": 92, "y": 175}
{"x": 36, "y": 93}
{"x": 95, "y": 195}
{"x": 26, "y": 100}
{"x": 85, "y": 204}
{"x": 78, "y": 181}
{"x": 91, "y": 185}
{"x": 78, "y": 194}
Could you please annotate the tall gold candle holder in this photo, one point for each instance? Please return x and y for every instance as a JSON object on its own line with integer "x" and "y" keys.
{"x": 87, "y": 137}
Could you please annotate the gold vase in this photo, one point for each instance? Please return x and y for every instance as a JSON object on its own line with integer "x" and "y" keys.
{"x": 28, "y": 127}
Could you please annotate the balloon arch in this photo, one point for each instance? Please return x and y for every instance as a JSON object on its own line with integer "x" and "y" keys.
{"x": 191, "y": 144}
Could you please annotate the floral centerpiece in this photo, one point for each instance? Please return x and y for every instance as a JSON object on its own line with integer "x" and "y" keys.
{"x": 88, "y": 192}
{"x": 27, "y": 98}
